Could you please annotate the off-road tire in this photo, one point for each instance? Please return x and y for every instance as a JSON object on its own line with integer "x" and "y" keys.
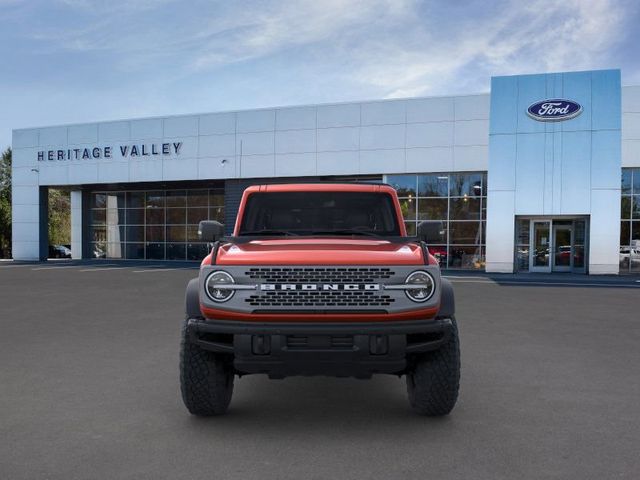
{"x": 206, "y": 379}
{"x": 434, "y": 379}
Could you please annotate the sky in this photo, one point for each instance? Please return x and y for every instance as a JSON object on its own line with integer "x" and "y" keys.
{"x": 75, "y": 61}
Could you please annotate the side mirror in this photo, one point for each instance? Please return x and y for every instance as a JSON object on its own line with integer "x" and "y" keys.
{"x": 210, "y": 231}
{"x": 431, "y": 232}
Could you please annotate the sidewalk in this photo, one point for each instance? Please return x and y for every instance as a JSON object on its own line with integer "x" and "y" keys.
{"x": 546, "y": 278}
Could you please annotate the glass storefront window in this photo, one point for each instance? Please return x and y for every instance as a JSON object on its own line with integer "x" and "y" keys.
{"x": 433, "y": 208}
{"x": 155, "y": 225}
{"x": 176, "y": 233}
{"x": 437, "y": 234}
{"x": 98, "y": 216}
{"x": 625, "y": 206}
{"x": 176, "y": 216}
{"x": 194, "y": 215}
{"x": 630, "y": 221}
{"x": 176, "y": 198}
{"x": 198, "y": 198}
{"x": 135, "y": 233}
{"x": 635, "y": 174}
{"x": 216, "y": 199}
{"x": 99, "y": 234}
{"x": 134, "y": 251}
{"x": 134, "y": 200}
{"x": 196, "y": 251}
{"x": 440, "y": 252}
{"x": 98, "y": 200}
{"x": 98, "y": 249}
{"x": 154, "y": 216}
{"x": 634, "y": 260}
{"x": 154, "y": 200}
{"x": 464, "y": 233}
{"x": 458, "y": 201}
{"x": 405, "y": 185}
{"x": 465, "y": 184}
{"x": 192, "y": 233}
{"x": 466, "y": 257}
{"x": 626, "y": 181}
{"x": 433, "y": 185}
{"x": 155, "y": 233}
{"x": 217, "y": 214}
{"x": 176, "y": 251}
{"x": 635, "y": 206}
{"x": 465, "y": 208}
{"x": 408, "y": 207}
{"x": 135, "y": 216}
{"x": 625, "y": 232}
{"x": 523, "y": 236}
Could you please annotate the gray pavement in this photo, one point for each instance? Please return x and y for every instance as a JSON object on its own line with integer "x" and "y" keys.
{"x": 89, "y": 388}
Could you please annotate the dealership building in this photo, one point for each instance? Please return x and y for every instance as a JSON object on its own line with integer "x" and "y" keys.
{"x": 542, "y": 174}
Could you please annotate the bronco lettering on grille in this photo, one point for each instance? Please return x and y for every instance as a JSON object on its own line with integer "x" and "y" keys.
{"x": 321, "y": 287}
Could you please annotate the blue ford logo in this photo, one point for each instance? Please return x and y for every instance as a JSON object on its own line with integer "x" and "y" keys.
{"x": 554, "y": 110}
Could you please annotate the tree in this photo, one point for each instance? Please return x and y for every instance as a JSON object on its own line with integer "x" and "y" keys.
{"x": 5, "y": 204}
{"x": 59, "y": 210}
{"x": 59, "y": 216}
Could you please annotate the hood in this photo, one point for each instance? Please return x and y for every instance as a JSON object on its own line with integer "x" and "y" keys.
{"x": 320, "y": 251}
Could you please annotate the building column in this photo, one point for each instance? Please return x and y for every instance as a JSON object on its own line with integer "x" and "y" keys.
{"x": 25, "y": 215}
{"x": 76, "y": 224}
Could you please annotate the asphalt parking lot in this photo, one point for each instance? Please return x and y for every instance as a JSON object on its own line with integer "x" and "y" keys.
{"x": 89, "y": 388}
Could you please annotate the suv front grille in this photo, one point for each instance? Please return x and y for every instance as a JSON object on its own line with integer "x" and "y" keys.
{"x": 320, "y": 298}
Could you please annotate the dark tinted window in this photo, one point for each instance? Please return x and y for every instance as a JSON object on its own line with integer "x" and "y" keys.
{"x": 319, "y": 212}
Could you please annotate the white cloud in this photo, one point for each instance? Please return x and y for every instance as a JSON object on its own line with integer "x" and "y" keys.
{"x": 389, "y": 47}
{"x": 542, "y": 36}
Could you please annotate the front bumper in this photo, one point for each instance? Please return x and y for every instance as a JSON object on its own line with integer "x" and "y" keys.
{"x": 334, "y": 349}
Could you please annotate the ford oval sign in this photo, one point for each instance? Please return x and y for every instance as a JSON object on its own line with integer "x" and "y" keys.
{"x": 554, "y": 110}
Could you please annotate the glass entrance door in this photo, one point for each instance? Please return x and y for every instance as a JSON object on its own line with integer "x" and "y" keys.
{"x": 552, "y": 244}
{"x": 540, "y": 258}
{"x": 562, "y": 247}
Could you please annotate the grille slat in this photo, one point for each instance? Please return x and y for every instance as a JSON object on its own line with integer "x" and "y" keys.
{"x": 319, "y": 274}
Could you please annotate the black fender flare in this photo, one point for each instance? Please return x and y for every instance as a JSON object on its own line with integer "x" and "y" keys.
{"x": 192, "y": 299}
{"x": 447, "y": 300}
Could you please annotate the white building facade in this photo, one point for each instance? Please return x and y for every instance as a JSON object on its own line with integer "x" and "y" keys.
{"x": 513, "y": 192}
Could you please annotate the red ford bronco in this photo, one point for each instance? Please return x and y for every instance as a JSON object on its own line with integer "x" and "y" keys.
{"x": 319, "y": 279}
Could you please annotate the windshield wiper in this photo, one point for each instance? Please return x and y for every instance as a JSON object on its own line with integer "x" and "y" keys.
{"x": 266, "y": 231}
{"x": 346, "y": 231}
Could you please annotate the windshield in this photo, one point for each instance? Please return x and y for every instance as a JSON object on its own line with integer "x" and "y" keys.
{"x": 320, "y": 213}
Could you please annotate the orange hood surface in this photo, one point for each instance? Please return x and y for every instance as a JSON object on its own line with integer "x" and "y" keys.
{"x": 320, "y": 251}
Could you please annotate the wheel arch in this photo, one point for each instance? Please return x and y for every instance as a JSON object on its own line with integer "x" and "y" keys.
{"x": 447, "y": 300}
{"x": 192, "y": 299}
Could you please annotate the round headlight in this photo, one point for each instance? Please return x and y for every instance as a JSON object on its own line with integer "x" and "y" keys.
{"x": 425, "y": 286}
{"x": 214, "y": 286}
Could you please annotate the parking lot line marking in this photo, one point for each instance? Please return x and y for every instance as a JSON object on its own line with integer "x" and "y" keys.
{"x": 98, "y": 269}
{"x": 472, "y": 281}
{"x": 55, "y": 267}
{"x": 463, "y": 276}
{"x": 157, "y": 270}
